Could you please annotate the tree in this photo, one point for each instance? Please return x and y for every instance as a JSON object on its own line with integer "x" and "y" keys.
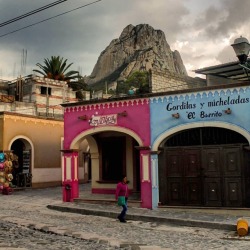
{"x": 139, "y": 80}
{"x": 56, "y": 68}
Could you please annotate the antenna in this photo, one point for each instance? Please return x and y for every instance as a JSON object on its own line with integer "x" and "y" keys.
{"x": 14, "y": 71}
{"x": 23, "y": 61}
{"x": 80, "y": 70}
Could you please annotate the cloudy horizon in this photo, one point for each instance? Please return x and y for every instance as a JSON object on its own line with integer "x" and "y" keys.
{"x": 200, "y": 30}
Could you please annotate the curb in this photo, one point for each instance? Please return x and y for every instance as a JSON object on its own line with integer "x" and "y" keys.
{"x": 146, "y": 218}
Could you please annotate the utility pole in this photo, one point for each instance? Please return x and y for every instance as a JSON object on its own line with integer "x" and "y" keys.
{"x": 47, "y": 99}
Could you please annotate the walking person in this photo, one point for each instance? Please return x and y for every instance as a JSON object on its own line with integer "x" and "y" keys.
{"x": 121, "y": 195}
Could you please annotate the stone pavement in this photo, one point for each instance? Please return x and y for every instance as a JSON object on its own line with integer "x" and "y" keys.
{"x": 149, "y": 227}
{"x": 215, "y": 218}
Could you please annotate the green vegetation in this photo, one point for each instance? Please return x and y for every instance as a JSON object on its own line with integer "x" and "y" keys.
{"x": 136, "y": 83}
{"x": 56, "y": 68}
{"x": 138, "y": 79}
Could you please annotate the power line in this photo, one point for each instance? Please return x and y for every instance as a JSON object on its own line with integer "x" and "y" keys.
{"x": 49, "y": 18}
{"x": 32, "y": 12}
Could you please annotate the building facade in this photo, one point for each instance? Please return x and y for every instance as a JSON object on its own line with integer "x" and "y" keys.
{"x": 36, "y": 96}
{"x": 184, "y": 147}
{"x": 118, "y": 135}
{"x": 31, "y": 124}
{"x": 37, "y": 143}
{"x": 203, "y": 138}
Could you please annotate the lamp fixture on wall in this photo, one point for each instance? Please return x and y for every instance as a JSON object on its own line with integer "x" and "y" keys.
{"x": 241, "y": 48}
{"x": 124, "y": 113}
{"x": 177, "y": 115}
{"x": 228, "y": 111}
{"x": 83, "y": 117}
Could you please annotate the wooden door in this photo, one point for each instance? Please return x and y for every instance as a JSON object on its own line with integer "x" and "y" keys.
{"x": 211, "y": 173}
{"x": 246, "y": 183}
{"x": 208, "y": 176}
{"x": 222, "y": 176}
{"x": 232, "y": 176}
{"x": 174, "y": 177}
{"x": 192, "y": 176}
{"x": 183, "y": 179}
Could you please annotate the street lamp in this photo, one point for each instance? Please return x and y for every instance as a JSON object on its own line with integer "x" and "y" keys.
{"x": 241, "y": 48}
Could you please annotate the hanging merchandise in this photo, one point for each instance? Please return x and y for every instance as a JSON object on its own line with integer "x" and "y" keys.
{"x": 2, "y": 178}
{"x": 1, "y": 166}
{"x": 2, "y": 157}
{"x": 6, "y": 169}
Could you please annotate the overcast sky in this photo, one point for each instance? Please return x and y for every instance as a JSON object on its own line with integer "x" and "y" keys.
{"x": 200, "y": 30}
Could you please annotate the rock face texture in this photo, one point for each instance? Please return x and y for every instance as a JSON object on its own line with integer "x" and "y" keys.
{"x": 138, "y": 48}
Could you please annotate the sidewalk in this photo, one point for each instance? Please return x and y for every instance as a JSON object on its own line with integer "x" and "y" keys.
{"x": 216, "y": 218}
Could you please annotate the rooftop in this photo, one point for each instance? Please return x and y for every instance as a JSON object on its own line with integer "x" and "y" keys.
{"x": 231, "y": 70}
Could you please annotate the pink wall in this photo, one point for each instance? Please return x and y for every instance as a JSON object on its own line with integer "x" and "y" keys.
{"x": 137, "y": 118}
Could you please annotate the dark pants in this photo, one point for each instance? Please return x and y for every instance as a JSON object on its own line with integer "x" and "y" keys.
{"x": 124, "y": 211}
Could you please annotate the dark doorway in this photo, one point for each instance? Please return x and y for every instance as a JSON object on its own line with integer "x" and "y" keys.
{"x": 112, "y": 157}
{"x": 22, "y": 176}
{"x": 204, "y": 167}
{"x": 18, "y": 147}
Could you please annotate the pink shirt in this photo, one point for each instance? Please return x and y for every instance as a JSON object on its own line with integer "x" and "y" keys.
{"x": 121, "y": 190}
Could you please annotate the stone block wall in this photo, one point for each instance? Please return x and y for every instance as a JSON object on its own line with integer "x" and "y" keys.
{"x": 164, "y": 81}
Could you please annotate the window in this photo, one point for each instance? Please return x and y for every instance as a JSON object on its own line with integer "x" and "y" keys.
{"x": 44, "y": 91}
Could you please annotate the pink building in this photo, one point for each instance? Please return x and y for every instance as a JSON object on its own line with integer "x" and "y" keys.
{"x": 104, "y": 140}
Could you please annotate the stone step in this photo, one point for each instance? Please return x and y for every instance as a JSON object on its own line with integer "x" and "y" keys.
{"x": 132, "y": 203}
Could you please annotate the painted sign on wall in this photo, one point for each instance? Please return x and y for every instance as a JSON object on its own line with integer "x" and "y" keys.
{"x": 226, "y": 106}
{"x": 103, "y": 120}
{"x": 203, "y": 109}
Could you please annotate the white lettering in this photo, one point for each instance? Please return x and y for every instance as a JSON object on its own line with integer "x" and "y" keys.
{"x": 103, "y": 120}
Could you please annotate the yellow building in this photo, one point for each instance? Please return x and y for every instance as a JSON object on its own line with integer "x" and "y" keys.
{"x": 37, "y": 143}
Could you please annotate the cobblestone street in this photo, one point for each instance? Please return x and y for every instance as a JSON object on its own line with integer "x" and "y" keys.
{"x": 14, "y": 236}
{"x": 26, "y": 223}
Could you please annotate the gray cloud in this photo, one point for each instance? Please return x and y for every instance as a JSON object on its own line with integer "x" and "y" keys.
{"x": 81, "y": 36}
{"x": 226, "y": 55}
{"x": 220, "y": 21}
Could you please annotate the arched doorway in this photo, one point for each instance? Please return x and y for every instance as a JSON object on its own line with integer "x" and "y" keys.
{"x": 205, "y": 166}
{"x": 22, "y": 173}
{"x": 117, "y": 156}
{"x": 112, "y": 154}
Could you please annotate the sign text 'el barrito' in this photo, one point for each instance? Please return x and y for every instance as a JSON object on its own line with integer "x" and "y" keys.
{"x": 194, "y": 109}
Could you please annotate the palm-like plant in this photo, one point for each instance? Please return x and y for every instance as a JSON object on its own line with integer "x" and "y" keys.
{"x": 55, "y": 68}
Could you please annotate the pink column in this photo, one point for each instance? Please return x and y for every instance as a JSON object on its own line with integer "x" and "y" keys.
{"x": 70, "y": 175}
{"x": 146, "y": 185}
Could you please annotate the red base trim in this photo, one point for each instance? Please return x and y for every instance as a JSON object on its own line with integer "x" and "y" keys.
{"x": 103, "y": 191}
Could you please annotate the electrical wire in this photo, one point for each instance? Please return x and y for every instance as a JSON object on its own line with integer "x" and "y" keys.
{"x": 31, "y": 12}
{"x": 49, "y": 18}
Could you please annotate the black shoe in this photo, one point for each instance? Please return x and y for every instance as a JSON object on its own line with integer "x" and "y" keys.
{"x": 119, "y": 218}
{"x": 123, "y": 221}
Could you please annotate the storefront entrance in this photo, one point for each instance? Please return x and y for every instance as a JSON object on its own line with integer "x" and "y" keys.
{"x": 22, "y": 176}
{"x": 204, "y": 175}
